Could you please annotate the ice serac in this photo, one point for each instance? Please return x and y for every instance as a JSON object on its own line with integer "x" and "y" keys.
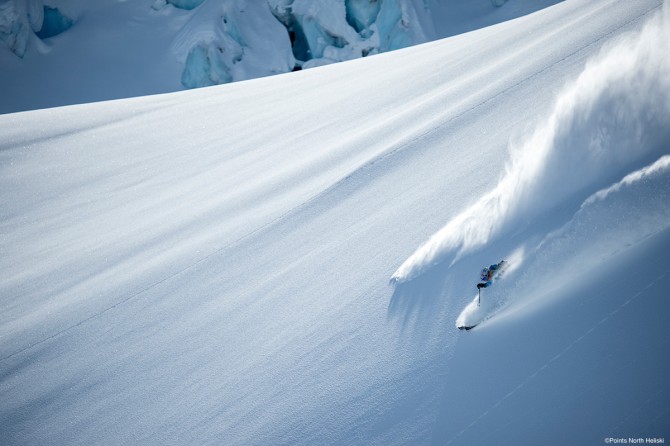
{"x": 327, "y": 32}
{"x": 323, "y": 35}
{"x": 18, "y": 21}
{"x": 232, "y": 41}
{"x": 21, "y": 21}
{"x": 54, "y": 23}
{"x": 185, "y": 4}
{"x": 401, "y": 24}
{"x": 237, "y": 40}
{"x": 361, "y": 14}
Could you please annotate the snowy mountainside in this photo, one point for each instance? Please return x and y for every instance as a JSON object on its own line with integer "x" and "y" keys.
{"x": 602, "y": 126}
{"x": 212, "y": 265}
{"x": 565, "y": 156}
{"x": 59, "y": 52}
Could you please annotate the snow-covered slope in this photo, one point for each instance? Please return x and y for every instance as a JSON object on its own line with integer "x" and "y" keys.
{"x": 60, "y": 52}
{"x": 213, "y": 266}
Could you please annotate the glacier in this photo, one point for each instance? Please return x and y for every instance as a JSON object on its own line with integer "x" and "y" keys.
{"x": 174, "y": 45}
{"x": 285, "y": 36}
{"x": 244, "y": 42}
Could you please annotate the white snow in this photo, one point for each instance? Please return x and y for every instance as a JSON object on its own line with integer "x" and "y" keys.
{"x": 212, "y": 266}
{"x": 603, "y": 124}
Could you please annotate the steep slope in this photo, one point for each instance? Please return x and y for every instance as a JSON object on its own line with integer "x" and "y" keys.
{"x": 212, "y": 266}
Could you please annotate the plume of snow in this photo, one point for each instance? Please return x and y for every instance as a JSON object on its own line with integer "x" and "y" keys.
{"x": 613, "y": 119}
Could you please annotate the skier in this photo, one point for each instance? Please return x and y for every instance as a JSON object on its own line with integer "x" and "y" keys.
{"x": 489, "y": 273}
{"x": 487, "y": 277}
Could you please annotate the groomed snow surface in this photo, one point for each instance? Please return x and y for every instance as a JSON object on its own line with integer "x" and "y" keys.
{"x": 284, "y": 260}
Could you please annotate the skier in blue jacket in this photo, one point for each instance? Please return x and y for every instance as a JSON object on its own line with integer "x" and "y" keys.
{"x": 489, "y": 273}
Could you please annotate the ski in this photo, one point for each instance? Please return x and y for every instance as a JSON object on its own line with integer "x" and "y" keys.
{"x": 467, "y": 328}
